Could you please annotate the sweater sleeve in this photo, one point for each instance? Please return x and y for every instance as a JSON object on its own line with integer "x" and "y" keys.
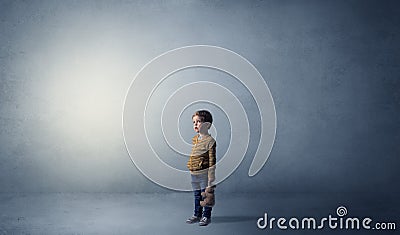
{"x": 212, "y": 161}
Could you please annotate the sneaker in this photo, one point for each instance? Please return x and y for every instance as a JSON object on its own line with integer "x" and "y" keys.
{"x": 193, "y": 219}
{"x": 204, "y": 221}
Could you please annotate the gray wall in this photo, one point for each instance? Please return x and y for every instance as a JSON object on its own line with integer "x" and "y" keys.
{"x": 332, "y": 67}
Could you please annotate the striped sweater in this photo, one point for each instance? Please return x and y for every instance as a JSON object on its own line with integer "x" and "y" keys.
{"x": 203, "y": 156}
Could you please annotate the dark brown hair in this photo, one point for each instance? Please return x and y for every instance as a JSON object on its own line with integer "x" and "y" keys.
{"x": 204, "y": 115}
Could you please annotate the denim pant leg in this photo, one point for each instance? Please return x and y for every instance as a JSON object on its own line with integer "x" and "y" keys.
{"x": 207, "y": 210}
{"x": 198, "y": 210}
{"x": 204, "y": 183}
{"x": 199, "y": 184}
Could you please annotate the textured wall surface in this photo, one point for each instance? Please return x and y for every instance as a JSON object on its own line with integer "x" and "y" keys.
{"x": 333, "y": 68}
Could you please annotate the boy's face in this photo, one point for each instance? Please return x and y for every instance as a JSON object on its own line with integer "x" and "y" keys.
{"x": 199, "y": 126}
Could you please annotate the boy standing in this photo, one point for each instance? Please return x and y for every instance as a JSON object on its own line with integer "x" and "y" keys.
{"x": 202, "y": 165}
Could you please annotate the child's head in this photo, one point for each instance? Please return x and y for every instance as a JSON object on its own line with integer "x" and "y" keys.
{"x": 202, "y": 121}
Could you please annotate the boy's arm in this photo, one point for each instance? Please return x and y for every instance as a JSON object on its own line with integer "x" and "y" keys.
{"x": 211, "y": 161}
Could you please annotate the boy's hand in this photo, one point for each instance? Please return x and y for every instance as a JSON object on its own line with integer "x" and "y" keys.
{"x": 211, "y": 179}
{"x": 210, "y": 182}
{"x": 211, "y": 175}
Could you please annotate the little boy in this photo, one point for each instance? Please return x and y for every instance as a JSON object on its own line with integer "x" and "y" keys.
{"x": 202, "y": 165}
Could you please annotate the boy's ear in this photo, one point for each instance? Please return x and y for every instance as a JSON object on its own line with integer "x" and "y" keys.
{"x": 208, "y": 125}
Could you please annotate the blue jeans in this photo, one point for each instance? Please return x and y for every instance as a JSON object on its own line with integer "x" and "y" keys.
{"x": 199, "y": 184}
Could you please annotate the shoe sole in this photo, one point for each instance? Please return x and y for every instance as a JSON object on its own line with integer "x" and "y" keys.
{"x": 205, "y": 224}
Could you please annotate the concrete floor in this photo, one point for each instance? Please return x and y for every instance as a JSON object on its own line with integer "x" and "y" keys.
{"x": 106, "y": 213}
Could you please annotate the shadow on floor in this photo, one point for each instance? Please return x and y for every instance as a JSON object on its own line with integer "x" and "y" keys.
{"x": 232, "y": 219}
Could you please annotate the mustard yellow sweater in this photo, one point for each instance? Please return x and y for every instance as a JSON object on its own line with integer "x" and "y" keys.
{"x": 203, "y": 156}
